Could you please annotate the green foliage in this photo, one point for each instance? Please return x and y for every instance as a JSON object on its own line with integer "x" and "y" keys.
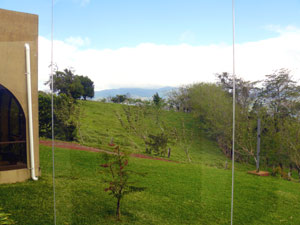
{"x": 155, "y": 135}
{"x": 132, "y": 119}
{"x": 45, "y": 116}
{"x": 245, "y": 91}
{"x": 66, "y": 115}
{"x": 179, "y": 99}
{"x": 4, "y": 218}
{"x": 66, "y": 82}
{"x": 119, "y": 98}
{"x": 88, "y": 87}
{"x": 278, "y": 92}
{"x": 291, "y": 140}
{"x": 157, "y": 100}
{"x": 278, "y": 171}
{"x": 118, "y": 179}
{"x": 184, "y": 138}
{"x": 157, "y": 143}
{"x": 246, "y": 118}
{"x": 213, "y": 107}
{"x": 280, "y": 98}
{"x": 275, "y": 104}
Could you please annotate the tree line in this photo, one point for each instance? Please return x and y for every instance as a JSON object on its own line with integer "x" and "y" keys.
{"x": 68, "y": 88}
{"x": 274, "y": 100}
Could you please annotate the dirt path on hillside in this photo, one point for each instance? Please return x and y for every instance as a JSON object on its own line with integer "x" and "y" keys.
{"x": 75, "y": 146}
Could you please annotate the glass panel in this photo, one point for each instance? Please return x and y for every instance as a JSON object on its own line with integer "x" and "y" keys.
{"x": 13, "y": 132}
{"x": 175, "y": 147}
{"x": 267, "y": 122}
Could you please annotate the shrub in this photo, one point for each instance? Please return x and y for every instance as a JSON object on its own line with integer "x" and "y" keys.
{"x": 279, "y": 171}
{"x": 66, "y": 116}
{"x": 118, "y": 177}
{"x": 157, "y": 144}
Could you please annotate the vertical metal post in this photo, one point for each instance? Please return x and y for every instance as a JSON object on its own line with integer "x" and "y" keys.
{"x": 233, "y": 113}
{"x": 258, "y": 145}
{"x": 52, "y": 113}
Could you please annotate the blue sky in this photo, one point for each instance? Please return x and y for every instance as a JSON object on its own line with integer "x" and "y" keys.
{"x": 83, "y": 27}
{"x": 118, "y": 23}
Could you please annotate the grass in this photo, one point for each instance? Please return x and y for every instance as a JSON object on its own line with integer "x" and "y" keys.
{"x": 177, "y": 193}
{"x": 99, "y": 124}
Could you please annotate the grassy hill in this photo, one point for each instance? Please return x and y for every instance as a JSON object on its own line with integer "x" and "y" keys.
{"x": 177, "y": 193}
{"x": 99, "y": 124}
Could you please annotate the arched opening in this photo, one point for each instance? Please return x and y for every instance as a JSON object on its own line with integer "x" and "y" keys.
{"x": 12, "y": 132}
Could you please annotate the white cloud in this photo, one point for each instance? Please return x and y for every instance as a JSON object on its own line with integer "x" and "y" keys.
{"x": 78, "y": 41}
{"x": 148, "y": 65}
{"x": 281, "y": 30}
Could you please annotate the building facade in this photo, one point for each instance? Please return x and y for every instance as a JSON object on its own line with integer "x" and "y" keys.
{"x": 18, "y": 34}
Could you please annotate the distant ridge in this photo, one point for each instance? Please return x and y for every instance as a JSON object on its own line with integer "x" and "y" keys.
{"x": 133, "y": 92}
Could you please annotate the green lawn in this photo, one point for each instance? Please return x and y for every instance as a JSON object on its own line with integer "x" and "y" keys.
{"x": 177, "y": 193}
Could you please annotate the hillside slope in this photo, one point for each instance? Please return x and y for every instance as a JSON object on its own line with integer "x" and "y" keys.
{"x": 176, "y": 193}
{"x": 99, "y": 124}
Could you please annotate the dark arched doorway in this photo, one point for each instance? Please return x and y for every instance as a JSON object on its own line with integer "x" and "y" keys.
{"x": 12, "y": 132}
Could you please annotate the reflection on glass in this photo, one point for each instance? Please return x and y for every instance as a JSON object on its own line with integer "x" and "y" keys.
{"x": 12, "y": 132}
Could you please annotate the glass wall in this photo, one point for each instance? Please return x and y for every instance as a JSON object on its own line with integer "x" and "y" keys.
{"x": 174, "y": 173}
{"x": 141, "y": 130}
{"x": 267, "y": 62}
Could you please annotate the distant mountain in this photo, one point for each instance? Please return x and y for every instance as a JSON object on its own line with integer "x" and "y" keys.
{"x": 143, "y": 93}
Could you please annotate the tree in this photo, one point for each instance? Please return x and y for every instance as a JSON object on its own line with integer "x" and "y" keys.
{"x": 246, "y": 115}
{"x": 144, "y": 121}
{"x": 246, "y": 135}
{"x": 292, "y": 140}
{"x": 184, "y": 138}
{"x": 180, "y": 99}
{"x": 66, "y": 82}
{"x": 45, "y": 117}
{"x": 118, "y": 177}
{"x": 279, "y": 91}
{"x": 213, "y": 107}
{"x": 279, "y": 96}
{"x": 133, "y": 120}
{"x": 246, "y": 91}
{"x": 66, "y": 115}
{"x": 88, "y": 87}
{"x": 157, "y": 100}
{"x": 119, "y": 98}
{"x": 76, "y": 89}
